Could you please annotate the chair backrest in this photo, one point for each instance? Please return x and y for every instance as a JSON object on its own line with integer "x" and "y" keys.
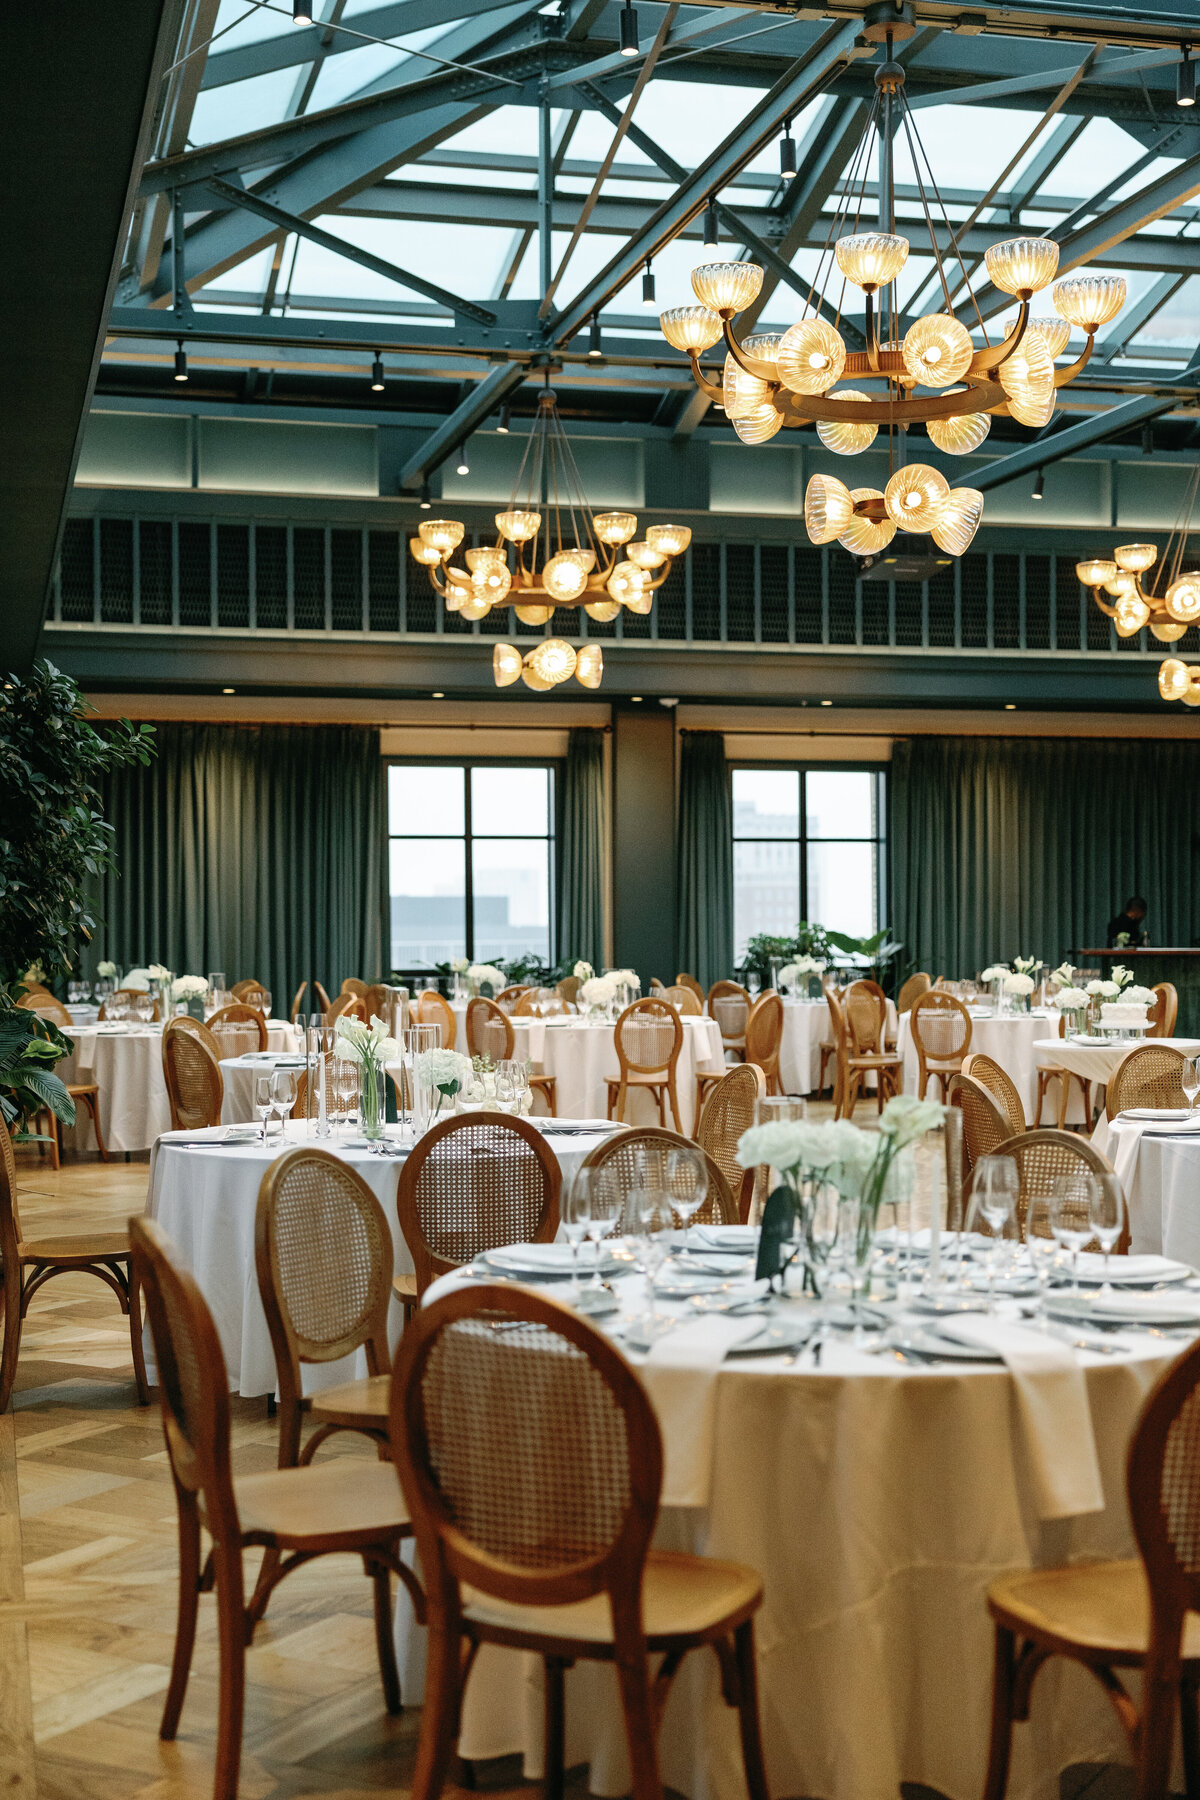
{"x": 240, "y": 989}
{"x": 729, "y": 1005}
{"x": 433, "y": 1009}
{"x": 476, "y": 1182}
{"x": 1163, "y": 1014}
{"x": 10, "y": 1220}
{"x": 508, "y": 997}
{"x": 126, "y": 997}
{"x": 1163, "y": 1485}
{"x": 685, "y": 980}
{"x": 568, "y": 989}
{"x": 323, "y": 1253}
{"x": 530, "y": 1458}
{"x": 649, "y": 1037}
{"x": 489, "y": 1030}
{"x": 374, "y": 999}
{"x": 728, "y": 1112}
{"x": 638, "y": 1159}
{"x": 541, "y": 1003}
{"x": 246, "y": 1016}
{"x": 1146, "y": 1076}
{"x": 912, "y": 989}
{"x": 764, "y": 1032}
{"x": 683, "y": 999}
{"x": 1042, "y": 1159}
{"x": 297, "y": 999}
{"x": 984, "y": 1126}
{"x": 352, "y": 985}
{"x": 46, "y": 1005}
{"x": 866, "y": 1014}
{"x": 192, "y": 1381}
{"x": 346, "y": 1006}
{"x": 1000, "y": 1085}
{"x": 191, "y": 1058}
{"x": 323, "y": 999}
{"x": 940, "y": 1025}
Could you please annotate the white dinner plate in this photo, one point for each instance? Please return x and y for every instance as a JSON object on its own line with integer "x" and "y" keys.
{"x": 1146, "y": 1271}
{"x": 544, "y": 1259}
{"x": 927, "y": 1341}
{"x": 1127, "y": 1308}
{"x": 774, "y": 1338}
{"x": 1159, "y": 1114}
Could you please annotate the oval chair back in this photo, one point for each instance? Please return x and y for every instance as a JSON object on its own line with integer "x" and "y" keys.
{"x": 126, "y": 997}
{"x": 241, "y": 990}
{"x": 728, "y": 1112}
{"x": 323, "y": 1000}
{"x": 568, "y": 989}
{"x": 729, "y": 1005}
{"x": 191, "y": 1058}
{"x": 764, "y": 1034}
{"x": 46, "y": 1005}
{"x": 352, "y": 985}
{"x": 684, "y": 1000}
{"x": 489, "y": 1030}
{"x": 1000, "y": 1085}
{"x": 1043, "y": 1158}
{"x": 435, "y": 1009}
{"x": 1150, "y": 1075}
{"x": 649, "y": 1038}
{"x": 865, "y": 1006}
{"x": 1162, "y": 1015}
{"x": 476, "y": 1182}
{"x": 247, "y": 1021}
{"x": 639, "y": 1159}
{"x": 508, "y": 997}
{"x": 984, "y": 1126}
{"x": 689, "y": 981}
{"x": 913, "y": 988}
{"x": 941, "y": 1032}
{"x": 297, "y": 1002}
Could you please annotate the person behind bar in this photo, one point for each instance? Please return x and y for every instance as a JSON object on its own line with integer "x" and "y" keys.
{"x": 1128, "y": 930}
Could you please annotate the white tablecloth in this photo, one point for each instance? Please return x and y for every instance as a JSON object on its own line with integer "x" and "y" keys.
{"x": 1161, "y": 1178}
{"x": 237, "y": 1075}
{"x": 877, "y": 1500}
{"x": 1097, "y": 1063}
{"x": 581, "y": 1056}
{"x": 1012, "y": 1040}
{"x": 126, "y": 1063}
{"x": 805, "y": 1024}
{"x": 205, "y": 1201}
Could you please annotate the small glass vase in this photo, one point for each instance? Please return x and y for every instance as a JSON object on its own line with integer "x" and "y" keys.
{"x": 374, "y": 1102}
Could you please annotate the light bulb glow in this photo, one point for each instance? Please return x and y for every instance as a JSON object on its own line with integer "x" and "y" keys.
{"x": 603, "y": 611}
{"x": 958, "y": 437}
{"x": 1055, "y": 331}
{"x": 487, "y": 556}
{"x": 870, "y": 259}
{"x": 937, "y": 350}
{"x": 532, "y": 614}
{"x": 1183, "y": 599}
{"x": 589, "y": 666}
{"x": 626, "y": 582}
{"x": 1120, "y": 584}
{"x": 426, "y": 554}
{"x": 1173, "y": 679}
{"x": 563, "y": 579}
{"x": 491, "y": 584}
{"x": 443, "y": 534}
{"x": 763, "y": 346}
{"x": 843, "y": 437}
{"x": 1096, "y": 571}
{"x": 959, "y": 521}
{"x": 864, "y": 536}
{"x": 728, "y": 287}
{"x": 1135, "y": 557}
{"x": 477, "y": 607}
{"x": 553, "y": 659}
{"x": 644, "y": 555}
{"x": 1022, "y": 265}
{"x": 672, "y": 540}
{"x": 916, "y": 496}
{"x": 742, "y": 393}
{"x": 506, "y": 665}
{"x": 1130, "y": 614}
{"x": 1089, "y": 301}
{"x": 828, "y": 508}
{"x": 811, "y": 357}
{"x": 689, "y": 328}
{"x": 615, "y": 527}
{"x": 518, "y": 526}
{"x": 1027, "y": 377}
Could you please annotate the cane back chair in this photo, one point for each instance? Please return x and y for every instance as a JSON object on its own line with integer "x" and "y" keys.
{"x": 1044, "y": 1158}
{"x": 323, "y": 1000}
{"x": 542, "y": 1498}
{"x": 685, "y": 1000}
{"x": 1000, "y": 1085}
{"x": 729, "y": 1004}
{"x": 249, "y": 1018}
{"x": 1113, "y": 1617}
{"x": 126, "y": 997}
{"x": 352, "y": 985}
{"x": 347, "y": 1006}
{"x": 853, "y": 1064}
{"x": 568, "y": 989}
{"x": 683, "y": 979}
{"x": 435, "y": 1009}
{"x": 474, "y": 1183}
{"x": 191, "y": 1058}
{"x": 490, "y": 1033}
{"x": 1147, "y": 1076}
{"x": 242, "y": 989}
{"x": 1051, "y": 1071}
{"x": 1162, "y": 1015}
{"x": 296, "y": 1513}
{"x": 508, "y": 997}
{"x": 984, "y": 1126}
{"x": 297, "y": 1001}
{"x": 764, "y": 1034}
{"x": 29, "y": 1263}
{"x": 649, "y": 1038}
{"x": 638, "y": 1159}
{"x": 941, "y": 1034}
{"x": 728, "y": 1112}
{"x": 911, "y": 990}
{"x": 84, "y": 1093}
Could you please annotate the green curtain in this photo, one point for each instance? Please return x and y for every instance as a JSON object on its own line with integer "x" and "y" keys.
{"x": 257, "y": 850}
{"x": 705, "y": 858}
{"x": 1014, "y": 847}
{"x": 581, "y": 849}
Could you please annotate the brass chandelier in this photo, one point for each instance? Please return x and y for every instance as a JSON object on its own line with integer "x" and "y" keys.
{"x": 1134, "y": 605}
{"x": 594, "y": 560}
{"x": 933, "y": 375}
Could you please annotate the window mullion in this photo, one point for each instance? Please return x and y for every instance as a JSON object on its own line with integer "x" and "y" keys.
{"x": 468, "y": 865}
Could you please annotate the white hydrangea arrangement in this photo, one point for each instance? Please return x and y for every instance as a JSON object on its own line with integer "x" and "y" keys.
{"x": 1071, "y": 999}
{"x": 459, "y": 965}
{"x": 789, "y": 973}
{"x": 1019, "y": 984}
{"x": 487, "y": 975}
{"x": 598, "y": 990}
{"x": 1139, "y": 996}
{"x": 583, "y": 971}
{"x": 1104, "y": 990}
{"x": 623, "y": 977}
{"x": 157, "y": 972}
{"x": 808, "y": 965}
{"x": 138, "y": 981}
{"x": 445, "y": 1071}
{"x": 996, "y": 972}
{"x": 189, "y": 987}
{"x": 106, "y": 970}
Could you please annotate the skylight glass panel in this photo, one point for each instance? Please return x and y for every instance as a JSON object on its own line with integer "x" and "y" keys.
{"x": 966, "y": 146}
{"x": 252, "y": 274}
{"x": 1098, "y": 155}
{"x": 241, "y": 106}
{"x": 1176, "y": 323}
{"x": 593, "y": 134}
{"x": 344, "y": 76}
{"x": 463, "y": 258}
{"x": 688, "y": 119}
{"x": 250, "y": 24}
{"x": 511, "y": 130}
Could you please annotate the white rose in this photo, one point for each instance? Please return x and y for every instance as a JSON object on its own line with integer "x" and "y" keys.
{"x": 106, "y": 969}
{"x": 156, "y": 972}
{"x": 583, "y": 971}
{"x": 459, "y": 965}
{"x": 1070, "y": 999}
{"x": 789, "y": 973}
{"x": 1095, "y": 987}
{"x": 905, "y": 1118}
{"x": 1109, "y": 989}
{"x": 997, "y": 972}
{"x": 189, "y": 987}
{"x": 138, "y": 980}
{"x": 599, "y": 991}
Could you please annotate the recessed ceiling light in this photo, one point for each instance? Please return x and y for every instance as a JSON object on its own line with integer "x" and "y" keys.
{"x": 636, "y": 698}
{"x": 227, "y": 690}
{"x": 438, "y": 694}
{"x": 827, "y": 703}
{"x": 1010, "y": 706}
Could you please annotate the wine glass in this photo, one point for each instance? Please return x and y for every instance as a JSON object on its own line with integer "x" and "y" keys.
{"x": 1189, "y": 1080}
{"x": 506, "y": 1093}
{"x": 687, "y": 1185}
{"x": 1106, "y": 1210}
{"x": 996, "y": 1188}
{"x": 344, "y": 1082}
{"x": 1070, "y": 1218}
{"x": 651, "y": 1221}
{"x": 576, "y": 1220}
{"x": 603, "y": 1212}
{"x": 283, "y": 1095}
{"x": 1042, "y": 1250}
{"x": 263, "y": 1101}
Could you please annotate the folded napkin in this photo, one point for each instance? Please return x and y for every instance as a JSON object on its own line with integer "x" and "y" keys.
{"x": 1122, "y": 1149}
{"x": 1129, "y": 1268}
{"x": 726, "y": 1237}
{"x": 1052, "y": 1410}
{"x": 680, "y": 1373}
{"x": 1141, "y": 1308}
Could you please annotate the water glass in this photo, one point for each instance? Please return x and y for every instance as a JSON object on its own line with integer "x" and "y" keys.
{"x": 283, "y": 1095}
{"x": 1042, "y": 1250}
{"x": 780, "y": 1109}
{"x": 1106, "y": 1210}
{"x": 576, "y": 1221}
{"x": 343, "y": 1081}
{"x": 1189, "y": 1080}
{"x": 997, "y": 1185}
{"x": 217, "y": 983}
{"x": 263, "y": 1101}
{"x": 1071, "y": 1218}
{"x": 687, "y": 1185}
{"x": 651, "y": 1220}
{"x": 605, "y": 1203}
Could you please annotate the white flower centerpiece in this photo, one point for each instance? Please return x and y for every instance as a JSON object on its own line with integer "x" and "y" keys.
{"x": 137, "y": 981}
{"x": 994, "y": 976}
{"x": 807, "y": 977}
{"x": 106, "y": 971}
{"x": 486, "y": 979}
{"x": 1017, "y": 989}
{"x": 583, "y": 971}
{"x": 438, "y": 1075}
{"x": 627, "y": 984}
{"x": 191, "y": 989}
{"x": 458, "y": 969}
{"x": 372, "y": 1048}
{"x": 161, "y": 982}
{"x": 597, "y": 995}
{"x": 1072, "y": 1002}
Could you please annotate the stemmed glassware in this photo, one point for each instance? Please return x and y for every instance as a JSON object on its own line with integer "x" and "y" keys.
{"x": 283, "y": 1095}
{"x": 1106, "y": 1210}
{"x": 344, "y": 1082}
{"x": 576, "y": 1220}
{"x": 1189, "y": 1080}
{"x": 1071, "y": 1219}
{"x": 687, "y": 1185}
{"x": 604, "y": 1210}
{"x": 995, "y": 1193}
{"x": 651, "y": 1220}
{"x": 264, "y": 1102}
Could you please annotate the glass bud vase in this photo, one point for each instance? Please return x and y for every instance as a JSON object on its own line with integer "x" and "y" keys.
{"x": 374, "y": 1102}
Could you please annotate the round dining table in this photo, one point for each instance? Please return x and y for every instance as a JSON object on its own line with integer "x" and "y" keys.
{"x": 1158, "y": 1164}
{"x": 125, "y": 1062}
{"x": 807, "y": 1024}
{"x": 877, "y": 1497}
{"x": 1013, "y": 1040}
{"x": 204, "y": 1191}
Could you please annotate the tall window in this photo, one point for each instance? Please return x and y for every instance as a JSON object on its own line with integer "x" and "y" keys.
{"x": 470, "y": 861}
{"x": 807, "y": 844}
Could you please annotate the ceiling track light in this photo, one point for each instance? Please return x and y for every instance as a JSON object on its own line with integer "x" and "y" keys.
{"x": 712, "y": 227}
{"x": 464, "y": 467}
{"x": 1185, "y": 78}
{"x": 301, "y": 12}
{"x": 648, "y": 287}
{"x": 787, "y": 154}
{"x": 377, "y": 374}
{"x": 425, "y": 501}
{"x": 502, "y": 425}
{"x": 181, "y": 368}
{"x": 595, "y": 347}
{"x": 629, "y": 31}
{"x": 1039, "y": 486}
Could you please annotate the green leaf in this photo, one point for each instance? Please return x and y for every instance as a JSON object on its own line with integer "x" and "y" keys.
{"x": 48, "y": 1090}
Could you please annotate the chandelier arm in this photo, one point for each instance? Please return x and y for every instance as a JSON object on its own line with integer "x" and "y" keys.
{"x": 753, "y": 365}
{"x": 1062, "y": 376}
{"x": 984, "y": 361}
{"x": 871, "y": 330}
{"x": 714, "y": 390}
{"x": 1109, "y": 611}
{"x": 803, "y": 409}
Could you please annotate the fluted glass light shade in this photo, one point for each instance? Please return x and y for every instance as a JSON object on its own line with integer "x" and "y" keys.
{"x": 1120, "y": 584}
{"x": 843, "y": 437}
{"x": 443, "y": 534}
{"x": 672, "y": 540}
{"x": 690, "y": 328}
{"x": 626, "y": 582}
{"x": 530, "y": 614}
{"x": 563, "y": 579}
{"x": 615, "y": 527}
{"x": 916, "y": 496}
{"x": 519, "y": 526}
{"x": 1183, "y": 599}
{"x": 458, "y": 590}
{"x": 1055, "y": 331}
{"x": 764, "y": 347}
{"x": 491, "y": 584}
{"x": 864, "y": 536}
{"x": 487, "y": 556}
{"x": 828, "y": 508}
{"x": 1027, "y": 377}
{"x": 426, "y": 554}
{"x": 937, "y": 350}
{"x": 727, "y": 287}
{"x": 553, "y": 659}
{"x": 532, "y": 679}
{"x": 811, "y": 357}
{"x": 756, "y": 427}
{"x": 1135, "y": 557}
{"x": 742, "y": 393}
{"x": 959, "y": 521}
{"x": 1191, "y": 694}
{"x": 1167, "y": 634}
{"x": 506, "y": 665}
{"x": 1089, "y": 301}
{"x": 644, "y": 555}
{"x": 639, "y": 603}
{"x": 870, "y": 259}
{"x": 589, "y": 665}
{"x": 1095, "y": 572}
{"x": 958, "y": 437}
{"x": 603, "y": 611}
{"x": 1022, "y": 265}
{"x": 477, "y": 607}
{"x": 1130, "y": 614}
{"x": 1173, "y": 679}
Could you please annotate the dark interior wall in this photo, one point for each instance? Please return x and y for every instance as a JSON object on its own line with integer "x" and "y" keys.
{"x": 644, "y": 841}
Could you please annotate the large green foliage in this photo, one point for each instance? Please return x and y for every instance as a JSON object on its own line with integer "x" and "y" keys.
{"x": 53, "y": 841}
{"x": 29, "y": 1048}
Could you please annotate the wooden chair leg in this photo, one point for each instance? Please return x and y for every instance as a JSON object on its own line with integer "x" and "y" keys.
{"x": 1155, "y": 1736}
{"x": 555, "y": 1732}
{"x": 231, "y": 1629}
{"x": 638, "y": 1709}
{"x": 1189, "y": 1723}
{"x": 674, "y": 1098}
{"x": 748, "y": 1719}
{"x": 609, "y": 1102}
{"x": 551, "y": 1092}
{"x": 384, "y": 1642}
{"x": 189, "y": 1603}
{"x": 1003, "y": 1676}
{"x": 439, "y": 1716}
{"x": 135, "y": 1336}
{"x": 55, "y": 1130}
{"x": 92, "y": 1102}
{"x": 12, "y": 1334}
